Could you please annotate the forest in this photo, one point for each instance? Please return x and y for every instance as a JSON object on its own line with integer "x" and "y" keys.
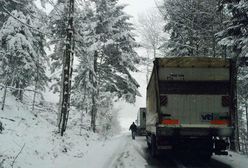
{"x": 85, "y": 52}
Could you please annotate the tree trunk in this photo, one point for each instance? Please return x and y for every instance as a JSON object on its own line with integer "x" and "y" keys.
{"x": 81, "y": 120}
{"x": 6, "y": 87}
{"x": 4, "y": 96}
{"x": 94, "y": 94}
{"x": 224, "y": 52}
{"x": 21, "y": 93}
{"x": 33, "y": 104}
{"x": 246, "y": 114}
{"x": 214, "y": 46}
{"x": 67, "y": 70}
{"x": 154, "y": 52}
{"x": 35, "y": 88}
{"x": 234, "y": 140}
{"x": 147, "y": 67}
{"x": 93, "y": 113}
{"x": 59, "y": 116}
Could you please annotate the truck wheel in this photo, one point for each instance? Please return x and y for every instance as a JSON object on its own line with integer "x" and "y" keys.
{"x": 147, "y": 141}
{"x": 153, "y": 146}
{"x": 148, "y": 145}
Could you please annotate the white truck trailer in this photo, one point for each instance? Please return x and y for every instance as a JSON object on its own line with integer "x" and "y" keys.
{"x": 190, "y": 101}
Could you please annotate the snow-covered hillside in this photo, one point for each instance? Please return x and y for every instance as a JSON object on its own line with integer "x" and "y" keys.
{"x": 33, "y": 142}
{"x": 28, "y": 141}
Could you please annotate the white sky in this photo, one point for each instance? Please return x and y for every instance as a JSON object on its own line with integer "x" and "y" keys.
{"x": 136, "y": 7}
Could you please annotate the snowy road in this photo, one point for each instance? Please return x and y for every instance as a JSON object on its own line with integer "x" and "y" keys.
{"x": 128, "y": 153}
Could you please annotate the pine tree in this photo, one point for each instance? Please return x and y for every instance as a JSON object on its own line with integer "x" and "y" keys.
{"x": 10, "y": 5}
{"x": 23, "y": 56}
{"x": 235, "y": 36}
{"x": 242, "y": 110}
{"x": 192, "y": 26}
{"x": 107, "y": 55}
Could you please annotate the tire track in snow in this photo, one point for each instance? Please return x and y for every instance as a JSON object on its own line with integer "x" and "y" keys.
{"x": 128, "y": 152}
{"x": 118, "y": 153}
{"x": 119, "y": 163}
{"x": 128, "y": 155}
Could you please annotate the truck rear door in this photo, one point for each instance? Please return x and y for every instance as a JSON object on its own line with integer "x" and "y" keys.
{"x": 194, "y": 96}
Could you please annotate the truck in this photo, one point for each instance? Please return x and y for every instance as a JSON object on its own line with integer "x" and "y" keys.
{"x": 141, "y": 121}
{"x": 190, "y": 104}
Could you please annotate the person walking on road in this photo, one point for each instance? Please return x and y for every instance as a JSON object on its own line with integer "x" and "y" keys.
{"x": 133, "y": 128}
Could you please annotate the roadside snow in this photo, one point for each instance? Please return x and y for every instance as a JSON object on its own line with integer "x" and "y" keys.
{"x": 235, "y": 160}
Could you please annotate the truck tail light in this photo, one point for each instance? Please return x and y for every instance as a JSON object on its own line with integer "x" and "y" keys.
{"x": 163, "y": 100}
{"x": 225, "y": 100}
{"x": 220, "y": 122}
{"x": 170, "y": 122}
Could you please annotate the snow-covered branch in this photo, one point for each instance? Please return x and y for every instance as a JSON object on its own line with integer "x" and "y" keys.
{"x": 36, "y": 29}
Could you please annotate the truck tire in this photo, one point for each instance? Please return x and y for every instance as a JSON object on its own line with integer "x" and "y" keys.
{"x": 148, "y": 143}
{"x": 153, "y": 146}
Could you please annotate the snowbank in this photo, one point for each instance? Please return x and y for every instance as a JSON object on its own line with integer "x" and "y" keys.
{"x": 234, "y": 160}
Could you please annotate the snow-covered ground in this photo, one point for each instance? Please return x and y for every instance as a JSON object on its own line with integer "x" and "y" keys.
{"x": 234, "y": 160}
{"x": 42, "y": 146}
{"x": 33, "y": 142}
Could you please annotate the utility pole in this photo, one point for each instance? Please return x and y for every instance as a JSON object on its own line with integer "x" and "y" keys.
{"x": 67, "y": 69}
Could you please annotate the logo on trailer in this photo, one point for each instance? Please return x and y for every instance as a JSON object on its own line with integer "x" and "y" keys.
{"x": 214, "y": 116}
{"x": 207, "y": 117}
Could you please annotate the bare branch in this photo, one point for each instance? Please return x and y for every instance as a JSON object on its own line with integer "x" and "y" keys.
{"x": 12, "y": 165}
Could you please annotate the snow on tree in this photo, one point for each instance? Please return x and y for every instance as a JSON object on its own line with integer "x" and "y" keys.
{"x": 106, "y": 56}
{"x": 242, "y": 109}
{"x": 192, "y": 26}
{"x": 57, "y": 29}
{"x": 235, "y": 38}
{"x": 150, "y": 28}
{"x": 11, "y": 5}
{"x": 22, "y": 50}
{"x": 57, "y": 38}
{"x": 67, "y": 69}
{"x": 1, "y": 127}
{"x": 107, "y": 121}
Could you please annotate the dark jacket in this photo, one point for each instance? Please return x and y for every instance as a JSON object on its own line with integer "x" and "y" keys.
{"x": 133, "y": 127}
